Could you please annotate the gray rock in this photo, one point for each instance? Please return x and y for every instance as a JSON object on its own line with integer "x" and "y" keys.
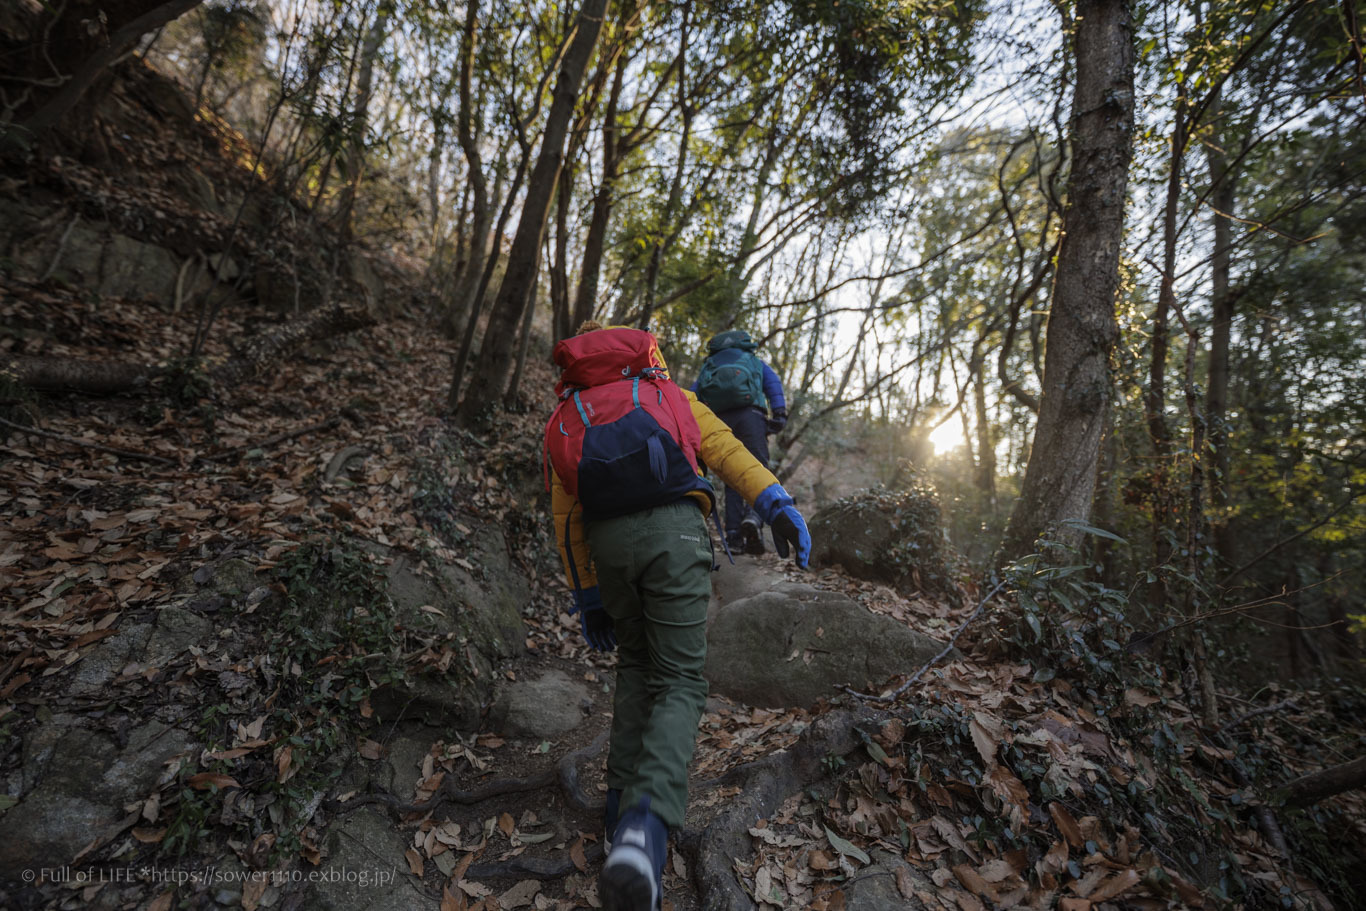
{"x": 875, "y": 888}
{"x": 175, "y": 631}
{"x": 790, "y": 647}
{"x": 487, "y": 611}
{"x": 540, "y": 707}
{"x": 365, "y": 869}
{"x": 94, "y": 672}
{"x": 405, "y": 757}
{"x": 79, "y": 786}
{"x": 891, "y": 536}
{"x": 231, "y": 577}
{"x": 360, "y": 271}
{"x": 132, "y": 268}
{"x": 436, "y": 700}
{"x": 742, "y": 579}
{"x": 483, "y": 614}
{"x": 97, "y": 257}
{"x": 285, "y": 291}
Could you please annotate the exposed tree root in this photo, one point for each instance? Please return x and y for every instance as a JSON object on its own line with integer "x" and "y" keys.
{"x": 338, "y": 463}
{"x": 535, "y": 867}
{"x": 1310, "y": 789}
{"x": 764, "y": 785}
{"x": 270, "y": 441}
{"x": 88, "y": 444}
{"x": 565, "y": 774}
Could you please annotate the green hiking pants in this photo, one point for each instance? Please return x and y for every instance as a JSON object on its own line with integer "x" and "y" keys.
{"x": 654, "y": 573}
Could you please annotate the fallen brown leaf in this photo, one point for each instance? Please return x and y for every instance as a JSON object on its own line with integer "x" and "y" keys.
{"x": 1066, "y": 824}
{"x": 1115, "y": 886}
{"x": 577, "y": 856}
{"x": 205, "y": 780}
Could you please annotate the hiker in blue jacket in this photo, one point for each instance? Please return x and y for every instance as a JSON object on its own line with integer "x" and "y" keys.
{"x": 746, "y": 394}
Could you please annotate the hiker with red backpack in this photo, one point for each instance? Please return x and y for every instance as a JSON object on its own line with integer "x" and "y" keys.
{"x": 746, "y": 393}
{"x": 623, "y": 451}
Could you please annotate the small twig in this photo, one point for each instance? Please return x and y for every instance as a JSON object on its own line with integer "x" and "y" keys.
{"x": 61, "y": 248}
{"x": 1264, "y": 710}
{"x": 933, "y": 661}
{"x": 1140, "y": 642}
{"x": 1352, "y": 497}
{"x": 86, "y": 443}
{"x": 269, "y": 441}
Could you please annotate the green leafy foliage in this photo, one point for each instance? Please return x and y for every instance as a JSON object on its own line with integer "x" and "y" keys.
{"x": 893, "y": 534}
{"x": 333, "y": 638}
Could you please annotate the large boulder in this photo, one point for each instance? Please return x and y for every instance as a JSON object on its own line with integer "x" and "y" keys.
{"x": 76, "y": 784}
{"x": 365, "y": 868}
{"x": 890, "y": 536}
{"x": 790, "y": 646}
{"x": 478, "y": 609}
{"x": 543, "y": 707}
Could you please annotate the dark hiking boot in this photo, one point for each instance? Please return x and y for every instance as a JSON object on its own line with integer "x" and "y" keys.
{"x": 609, "y": 817}
{"x": 749, "y": 532}
{"x": 632, "y": 877}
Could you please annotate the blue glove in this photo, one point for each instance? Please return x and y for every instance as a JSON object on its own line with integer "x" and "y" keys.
{"x": 775, "y": 506}
{"x": 593, "y": 619}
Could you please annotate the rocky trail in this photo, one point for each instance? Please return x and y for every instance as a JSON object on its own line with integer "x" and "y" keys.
{"x": 275, "y": 634}
{"x": 318, "y": 657}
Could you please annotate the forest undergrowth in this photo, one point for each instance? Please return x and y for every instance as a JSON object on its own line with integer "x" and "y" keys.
{"x": 1046, "y": 762}
{"x": 1042, "y": 765}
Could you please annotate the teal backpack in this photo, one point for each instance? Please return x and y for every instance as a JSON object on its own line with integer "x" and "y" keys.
{"x": 732, "y": 377}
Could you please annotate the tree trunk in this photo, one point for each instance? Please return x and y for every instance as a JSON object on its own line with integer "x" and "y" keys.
{"x": 587, "y": 294}
{"x": 1223, "y": 302}
{"x": 1061, "y": 474}
{"x": 523, "y": 346}
{"x": 360, "y": 121}
{"x": 464, "y": 297}
{"x": 1103, "y": 502}
{"x": 986, "y": 443}
{"x": 496, "y": 354}
{"x": 479, "y": 291}
{"x": 62, "y": 374}
{"x": 69, "y": 42}
{"x": 562, "y": 318}
{"x": 1155, "y": 399}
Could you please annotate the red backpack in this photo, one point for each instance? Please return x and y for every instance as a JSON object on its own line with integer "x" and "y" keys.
{"x": 623, "y": 437}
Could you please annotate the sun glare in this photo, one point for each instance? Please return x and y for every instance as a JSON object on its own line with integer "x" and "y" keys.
{"x": 947, "y": 436}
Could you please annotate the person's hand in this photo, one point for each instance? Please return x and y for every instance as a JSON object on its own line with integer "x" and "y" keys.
{"x": 776, "y": 423}
{"x": 776, "y": 507}
{"x": 790, "y": 528}
{"x": 594, "y": 620}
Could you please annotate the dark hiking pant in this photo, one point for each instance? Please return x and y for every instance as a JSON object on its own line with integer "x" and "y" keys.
{"x": 751, "y": 428}
{"x": 654, "y": 573}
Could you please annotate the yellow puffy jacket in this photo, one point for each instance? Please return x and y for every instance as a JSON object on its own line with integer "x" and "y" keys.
{"x": 721, "y": 451}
